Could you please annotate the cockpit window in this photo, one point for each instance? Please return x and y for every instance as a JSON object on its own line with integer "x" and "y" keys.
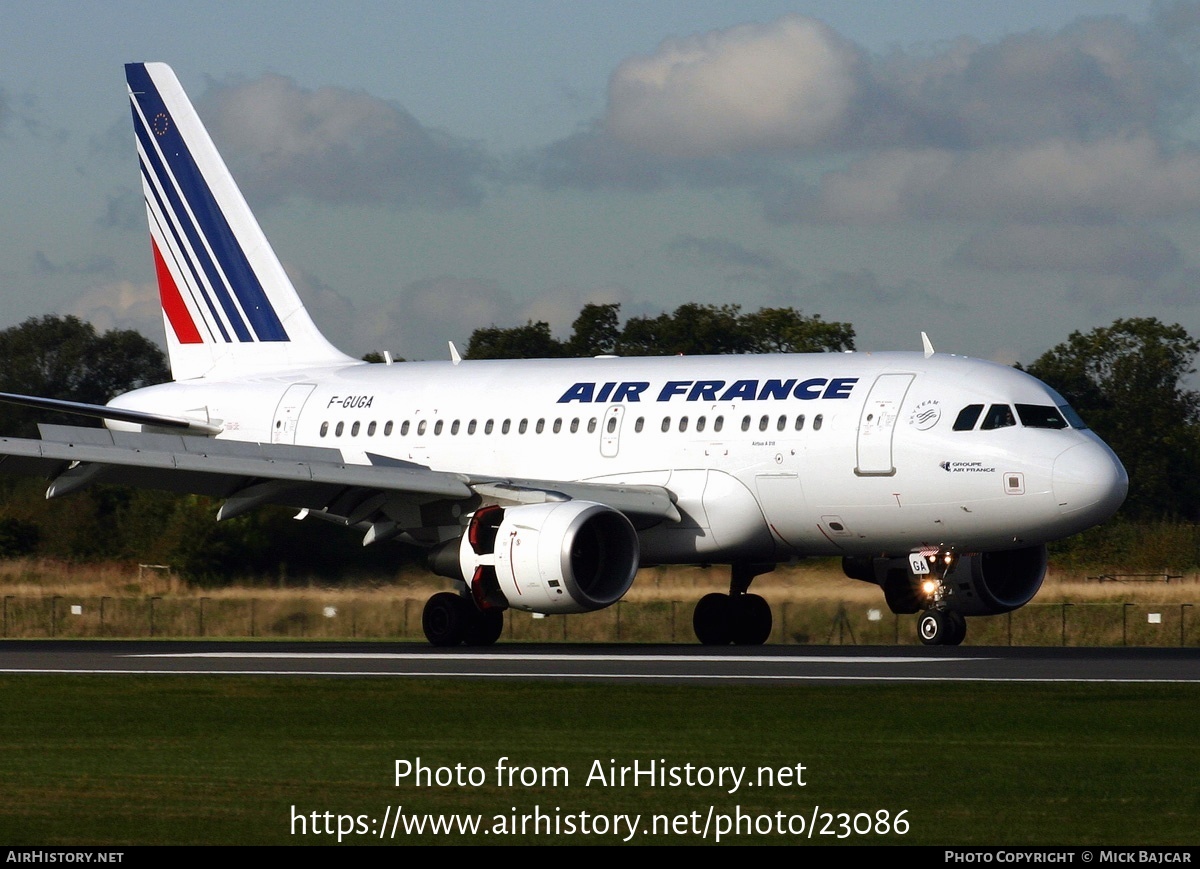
{"x": 1040, "y": 416}
{"x": 967, "y": 417}
{"x": 1072, "y": 417}
{"x": 998, "y": 416}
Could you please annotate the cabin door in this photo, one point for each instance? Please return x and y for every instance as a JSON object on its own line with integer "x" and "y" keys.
{"x": 287, "y": 414}
{"x": 878, "y": 423}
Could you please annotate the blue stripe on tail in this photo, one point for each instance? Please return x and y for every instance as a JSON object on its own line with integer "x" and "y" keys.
{"x": 207, "y": 222}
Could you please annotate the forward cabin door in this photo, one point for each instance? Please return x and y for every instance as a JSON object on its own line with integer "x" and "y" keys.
{"x": 877, "y": 425}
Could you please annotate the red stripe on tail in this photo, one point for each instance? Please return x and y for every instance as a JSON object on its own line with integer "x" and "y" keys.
{"x": 172, "y": 303}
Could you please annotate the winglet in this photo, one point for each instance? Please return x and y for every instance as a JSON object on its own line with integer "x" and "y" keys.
{"x": 927, "y": 344}
{"x": 455, "y": 356}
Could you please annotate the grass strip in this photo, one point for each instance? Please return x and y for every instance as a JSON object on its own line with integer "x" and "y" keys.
{"x": 222, "y": 760}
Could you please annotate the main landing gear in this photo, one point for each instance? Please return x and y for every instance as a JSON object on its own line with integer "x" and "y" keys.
{"x": 450, "y": 619}
{"x": 738, "y": 617}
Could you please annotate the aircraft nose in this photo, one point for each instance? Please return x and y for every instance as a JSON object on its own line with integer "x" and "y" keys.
{"x": 1089, "y": 482}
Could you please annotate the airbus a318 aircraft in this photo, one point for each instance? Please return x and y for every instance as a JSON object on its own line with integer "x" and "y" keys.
{"x": 543, "y": 485}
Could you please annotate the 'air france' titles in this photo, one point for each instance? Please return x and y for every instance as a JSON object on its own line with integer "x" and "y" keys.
{"x": 712, "y": 390}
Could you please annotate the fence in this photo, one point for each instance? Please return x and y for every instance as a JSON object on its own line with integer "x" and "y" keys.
{"x": 807, "y": 623}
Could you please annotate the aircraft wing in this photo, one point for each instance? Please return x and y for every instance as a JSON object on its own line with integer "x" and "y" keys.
{"x": 389, "y": 496}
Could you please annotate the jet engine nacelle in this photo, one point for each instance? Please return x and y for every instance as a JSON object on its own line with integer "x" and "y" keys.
{"x": 988, "y": 583}
{"x": 977, "y": 583}
{"x": 557, "y": 557}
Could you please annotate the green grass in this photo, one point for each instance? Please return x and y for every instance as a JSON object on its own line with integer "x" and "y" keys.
{"x": 221, "y": 760}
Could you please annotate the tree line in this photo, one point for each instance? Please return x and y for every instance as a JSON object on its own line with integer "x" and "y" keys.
{"x": 1128, "y": 381}
{"x": 691, "y": 330}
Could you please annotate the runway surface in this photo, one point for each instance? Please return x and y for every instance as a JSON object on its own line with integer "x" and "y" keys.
{"x": 677, "y": 664}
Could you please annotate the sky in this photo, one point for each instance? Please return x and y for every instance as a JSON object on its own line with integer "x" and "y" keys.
{"x": 995, "y": 174}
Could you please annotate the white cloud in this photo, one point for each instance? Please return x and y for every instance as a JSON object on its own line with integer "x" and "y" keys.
{"x": 787, "y": 84}
{"x": 336, "y": 145}
{"x": 1114, "y": 178}
{"x": 122, "y": 305}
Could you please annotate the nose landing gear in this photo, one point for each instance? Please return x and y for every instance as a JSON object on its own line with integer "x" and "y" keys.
{"x": 942, "y": 628}
{"x": 938, "y": 625}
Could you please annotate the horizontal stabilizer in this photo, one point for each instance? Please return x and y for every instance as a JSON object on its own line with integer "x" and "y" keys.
{"x": 101, "y": 411}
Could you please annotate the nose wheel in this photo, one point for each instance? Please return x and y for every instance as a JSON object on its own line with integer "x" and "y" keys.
{"x": 942, "y": 628}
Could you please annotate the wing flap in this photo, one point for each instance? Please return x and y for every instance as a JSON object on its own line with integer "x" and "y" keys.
{"x": 247, "y": 475}
{"x": 210, "y": 466}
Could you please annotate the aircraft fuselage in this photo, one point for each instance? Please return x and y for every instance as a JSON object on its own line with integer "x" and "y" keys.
{"x": 769, "y": 457}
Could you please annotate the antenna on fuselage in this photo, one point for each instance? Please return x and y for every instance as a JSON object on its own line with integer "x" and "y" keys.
{"x": 455, "y": 356}
{"x": 927, "y": 344}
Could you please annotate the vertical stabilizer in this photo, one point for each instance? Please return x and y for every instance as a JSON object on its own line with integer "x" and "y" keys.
{"x": 228, "y": 306}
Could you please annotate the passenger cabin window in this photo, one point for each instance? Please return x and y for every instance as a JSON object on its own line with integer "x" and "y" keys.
{"x": 998, "y": 416}
{"x": 1040, "y": 416}
{"x": 387, "y": 428}
{"x": 967, "y": 417}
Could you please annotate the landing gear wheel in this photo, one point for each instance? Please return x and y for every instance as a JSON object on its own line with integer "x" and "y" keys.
{"x": 936, "y": 628}
{"x": 484, "y": 627}
{"x": 446, "y": 618}
{"x": 712, "y": 620}
{"x": 750, "y": 618}
{"x": 958, "y": 629}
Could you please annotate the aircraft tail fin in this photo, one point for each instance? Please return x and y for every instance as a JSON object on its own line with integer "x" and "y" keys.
{"x": 228, "y": 305}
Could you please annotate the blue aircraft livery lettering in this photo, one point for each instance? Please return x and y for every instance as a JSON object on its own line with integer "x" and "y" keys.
{"x": 712, "y": 390}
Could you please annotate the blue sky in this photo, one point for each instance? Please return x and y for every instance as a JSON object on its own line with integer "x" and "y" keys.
{"x": 997, "y": 174}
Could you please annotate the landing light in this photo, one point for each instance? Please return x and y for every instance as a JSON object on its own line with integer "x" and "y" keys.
{"x": 928, "y": 587}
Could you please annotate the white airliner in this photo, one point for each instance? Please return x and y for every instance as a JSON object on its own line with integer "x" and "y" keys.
{"x": 543, "y": 485}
